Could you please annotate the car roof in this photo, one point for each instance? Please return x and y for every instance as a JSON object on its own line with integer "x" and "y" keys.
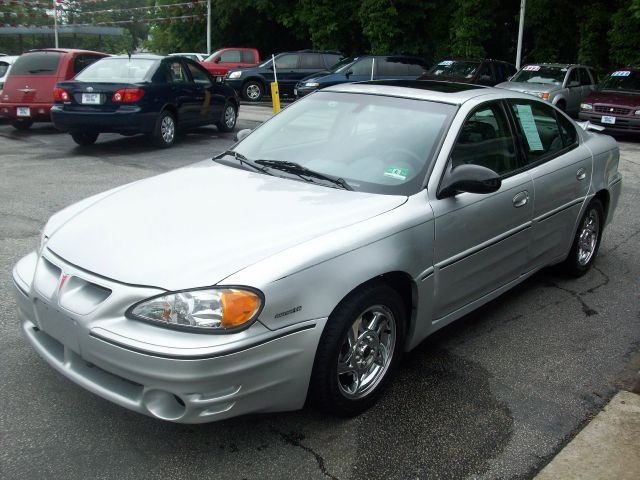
{"x": 147, "y": 56}
{"x": 65, "y": 50}
{"x": 453, "y": 93}
{"x": 558, "y": 65}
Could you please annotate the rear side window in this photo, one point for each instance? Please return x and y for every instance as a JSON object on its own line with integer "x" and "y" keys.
{"x": 362, "y": 67}
{"x": 287, "y": 61}
{"x": 117, "y": 70}
{"x": 247, "y": 57}
{"x": 230, "y": 56}
{"x": 391, "y": 67}
{"x": 83, "y": 61}
{"x": 37, "y": 63}
{"x": 311, "y": 60}
{"x": 568, "y": 131}
{"x": 540, "y": 131}
{"x": 585, "y": 79}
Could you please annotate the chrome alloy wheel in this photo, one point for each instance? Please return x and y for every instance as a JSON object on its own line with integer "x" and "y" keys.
{"x": 253, "y": 91}
{"x": 230, "y": 116}
{"x": 366, "y": 352}
{"x": 168, "y": 129}
{"x": 588, "y": 239}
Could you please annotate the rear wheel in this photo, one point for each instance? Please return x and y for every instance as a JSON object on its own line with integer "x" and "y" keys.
{"x": 228, "y": 120}
{"x": 586, "y": 241}
{"x": 164, "y": 134}
{"x": 253, "y": 91}
{"x": 84, "y": 138}
{"x": 21, "y": 124}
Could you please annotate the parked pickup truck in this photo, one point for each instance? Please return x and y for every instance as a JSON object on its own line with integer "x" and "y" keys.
{"x": 225, "y": 59}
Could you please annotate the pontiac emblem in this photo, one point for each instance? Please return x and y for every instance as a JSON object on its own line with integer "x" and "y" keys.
{"x": 63, "y": 278}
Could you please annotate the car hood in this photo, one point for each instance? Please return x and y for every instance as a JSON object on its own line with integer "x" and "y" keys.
{"x": 608, "y": 97}
{"x": 196, "y": 226}
{"x": 529, "y": 87}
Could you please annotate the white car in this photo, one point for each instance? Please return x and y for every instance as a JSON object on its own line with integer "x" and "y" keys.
{"x": 196, "y": 57}
{"x": 5, "y": 65}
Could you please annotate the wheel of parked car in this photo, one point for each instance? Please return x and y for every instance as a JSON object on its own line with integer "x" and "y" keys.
{"x": 228, "y": 120}
{"x": 253, "y": 91}
{"x": 164, "y": 133}
{"x": 20, "y": 124}
{"x": 586, "y": 241}
{"x": 84, "y": 138}
{"x": 360, "y": 347}
{"x": 562, "y": 105}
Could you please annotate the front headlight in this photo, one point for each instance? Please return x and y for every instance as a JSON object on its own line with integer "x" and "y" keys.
{"x": 637, "y": 112}
{"x": 212, "y": 309}
{"x": 312, "y": 84}
{"x": 235, "y": 74}
{"x": 586, "y": 106}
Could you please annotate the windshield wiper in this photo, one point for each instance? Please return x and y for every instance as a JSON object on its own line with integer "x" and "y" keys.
{"x": 302, "y": 172}
{"x": 242, "y": 160}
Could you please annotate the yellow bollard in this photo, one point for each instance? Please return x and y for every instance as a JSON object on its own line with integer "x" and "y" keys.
{"x": 275, "y": 97}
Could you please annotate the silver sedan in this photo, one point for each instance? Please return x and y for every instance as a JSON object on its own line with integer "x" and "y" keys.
{"x": 302, "y": 263}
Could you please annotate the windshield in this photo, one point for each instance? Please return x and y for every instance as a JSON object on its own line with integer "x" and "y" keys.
{"x": 212, "y": 56}
{"x": 540, "y": 74}
{"x": 37, "y": 63}
{"x": 453, "y": 68}
{"x": 622, "y": 80}
{"x": 342, "y": 65}
{"x": 376, "y": 144}
{"x": 116, "y": 70}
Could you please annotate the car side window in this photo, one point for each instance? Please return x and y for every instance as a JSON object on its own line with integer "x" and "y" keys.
{"x": 83, "y": 61}
{"x": 538, "y": 128}
{"x": 331, "y": 59}
{"x": 585, "y": 79}
{"x": 176, "y": 73}
{"x": 485, "y": 139}
{"x": 485, "y": 73}
{"x": 247, "y": 56}
{"x": 416, "y": 69}
{"x": 573, "y": 77}
{"x": 568, "y": 131}
{"x": 200, "y": 77}
{"x": 391, "y": 67}
{"x": 230, "y": 56}
{"x": 362, "y": 67}
{"x": 287, "y": 61}
{"x": 311, "y": 61}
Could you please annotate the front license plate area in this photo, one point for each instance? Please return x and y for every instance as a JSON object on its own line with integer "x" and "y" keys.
{"x": 23, "y": 112}
{"x": 609, "y": 120}
{"x": 64, "y": 329}
{"x": 91, "y": 98}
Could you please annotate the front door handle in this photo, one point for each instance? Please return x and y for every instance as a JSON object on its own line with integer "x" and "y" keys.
{"x": 521, "y": 199}
{"x": 581, "y": 174}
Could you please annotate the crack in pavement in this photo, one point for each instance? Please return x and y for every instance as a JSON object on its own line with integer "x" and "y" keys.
{"x": 588, "y": 311}
{"x": 626, "y": 240}
{"x": 295, "y": 439}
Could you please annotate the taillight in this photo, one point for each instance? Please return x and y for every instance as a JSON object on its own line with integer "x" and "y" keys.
{"x": 127, "y": 95}
{"x": 61, "y": 95}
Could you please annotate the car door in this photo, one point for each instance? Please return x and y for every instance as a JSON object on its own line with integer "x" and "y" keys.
{"x": 287, "y": 69}
{"x": 182, "y": 92}
{"x": 485, "y": 75}
{"x": 482, "y": 240}
{"x": 211, "y": 100}
{"x": 361, "y": 70}
{"x": 560, "y": 168}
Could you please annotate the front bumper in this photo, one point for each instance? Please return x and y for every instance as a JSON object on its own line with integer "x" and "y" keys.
{"x": 624, "y": 124}
{"x": 173, "y": 375}
{"x": 235, "y": 83}
{"x": 126, "y": 120}
{"x": 39, "y": 112}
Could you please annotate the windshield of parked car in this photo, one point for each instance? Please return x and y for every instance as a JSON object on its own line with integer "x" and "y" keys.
{"x": 375, "y": 143}
{"x": 116, "y": 70}
{"x": 342, "y": 65}
{"x": 454, "y": 68}
{"x": 37, "y": 63}
{"x": 626, "y": 80}
{"x": 541, "y": 74}
{"x": 212, "y": 56}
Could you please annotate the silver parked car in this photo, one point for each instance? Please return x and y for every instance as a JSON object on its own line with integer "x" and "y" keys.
{"x": 562, "y": 85}
{"x": 304, "y": 261}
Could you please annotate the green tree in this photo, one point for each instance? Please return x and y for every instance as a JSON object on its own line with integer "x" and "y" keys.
{"x": 624, "y": 36}
{"x": 471, "y": 26}
{"x": 379, "y": 20}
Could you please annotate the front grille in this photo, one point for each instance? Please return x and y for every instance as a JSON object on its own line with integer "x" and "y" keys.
{"x": 612, "y": 110}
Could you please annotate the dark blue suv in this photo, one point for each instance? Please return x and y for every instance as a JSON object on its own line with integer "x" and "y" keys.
{"x": 368, "y": 67}
{"x": 254, "y": 82}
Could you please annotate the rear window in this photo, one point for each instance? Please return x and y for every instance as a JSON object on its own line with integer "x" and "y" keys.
{"x": 117, "y": 70}
{"x": 248, "y": 57}
{"x": 37, "y": 63}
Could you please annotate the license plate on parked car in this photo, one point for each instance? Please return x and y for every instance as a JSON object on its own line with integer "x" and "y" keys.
{"x": 23, "y": 112}
{"x": 91, "y": 98}
{"x": 609, "y": 120}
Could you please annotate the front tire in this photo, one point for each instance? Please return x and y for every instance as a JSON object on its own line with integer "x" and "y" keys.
{"x": 164, "y": 134}
{"x": 84, "y": 139}
{"x": 21, "y": 124}
{"x": 253, "y": 91}
{"x": 358, "y": 351}
{"x": 229, "y": 117}
{"x": 586, "y": 241}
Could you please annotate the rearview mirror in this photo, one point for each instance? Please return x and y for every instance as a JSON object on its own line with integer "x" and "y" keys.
{"x": 242, "y": 134}
{"x": 469, "y": 178}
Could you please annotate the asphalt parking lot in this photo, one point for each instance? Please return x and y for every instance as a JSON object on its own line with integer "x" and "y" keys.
{"x": 494, "y": 395}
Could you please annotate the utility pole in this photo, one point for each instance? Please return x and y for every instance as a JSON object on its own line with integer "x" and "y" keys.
{"x": 523, "y": 5}
{"x": 208, "y": 27}
{"x": 55, "y": 21}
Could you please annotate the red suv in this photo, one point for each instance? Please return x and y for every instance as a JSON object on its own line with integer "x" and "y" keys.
{"x": 27, "y": 96}
{"x": 225, "y": 59}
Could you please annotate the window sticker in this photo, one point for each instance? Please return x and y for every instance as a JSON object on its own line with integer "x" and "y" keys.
{"x": 397, "y": 173}
{"x": 446, "y": 63}
{"x": 528, "y": 123}
{"x": 531, "y": 68}
{"x": 621, "y": 73}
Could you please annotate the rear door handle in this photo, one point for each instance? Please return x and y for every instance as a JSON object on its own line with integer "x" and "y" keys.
{"x": 521, "y": 199}
{"x": 581, "y": 174}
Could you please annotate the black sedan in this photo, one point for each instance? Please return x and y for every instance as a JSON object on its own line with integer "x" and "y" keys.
{"x": 146, "y": 94}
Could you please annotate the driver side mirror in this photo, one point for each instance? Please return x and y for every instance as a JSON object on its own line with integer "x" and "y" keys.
{"x": 469, "y": 178}
{"x": 217, "y": 60}
{"x": 348, "y": 73}
{"x": 242, "y": 134}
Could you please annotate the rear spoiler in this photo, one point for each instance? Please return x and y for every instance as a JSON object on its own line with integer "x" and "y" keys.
{"x": 590, "y": 126}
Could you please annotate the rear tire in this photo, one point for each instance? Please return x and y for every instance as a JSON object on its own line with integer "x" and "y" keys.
{"x": 586, "y": 241}
{"x": 84, "y": 139}
{"x": 21, "y": 124}
{"x": 364, "y": 340}
{"x": 164, "y": 133}
{"x": 253, "y": 91}
{"x": 229, "y": 117}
